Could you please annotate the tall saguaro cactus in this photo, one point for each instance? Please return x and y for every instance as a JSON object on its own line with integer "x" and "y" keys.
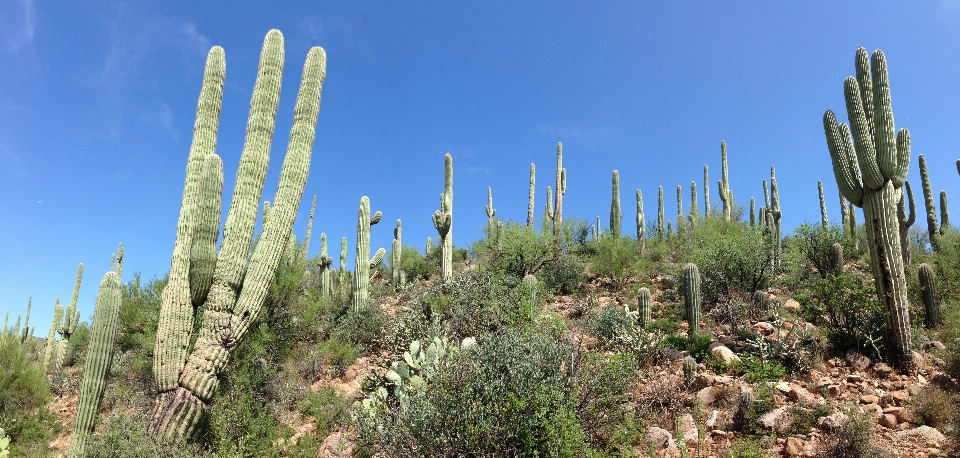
{"x": 641, "y": 221}
{"x": 187, "y": 377}
{"x": 753, "y": 213}
{"x": 615, "y": 216}
{"x": 443, "y": 220}
{"x": 548, "y": 212}
{"x": 680, "y": 217}
{"x": 931, "y": 297}
{"x": 706, "y": 191}
{"x": 824, "y": 221}
{"x": 944, "y": 213}
{"x": 933, "y": 228}
{"x": 694, "y": 209}
{"x": 103, "y": 335}
{"x": 325, "y": 261}
{"x": 691, "y": 296}
{"x": 71, "y": 319}
{"x": 52, "y": 336}
{"x": 560, "y": 190}
{"x": 870, "y": 169}
{"x": 362, "y": 262}
{"x": 491, "y": 213}
{"x": 342, "y": 273}
{"x": 774, "y": 211}
{"x": 726, "y": 196}
{"x": 660, "y": 222}
{"x": 533, "y": 182}
{"x": 306, "y": 239}
{"x": 395, "y": 254}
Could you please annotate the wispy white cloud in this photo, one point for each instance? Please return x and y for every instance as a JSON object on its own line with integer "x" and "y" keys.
{"x": 195, "y": 41}
{"x": 17, "y": 24}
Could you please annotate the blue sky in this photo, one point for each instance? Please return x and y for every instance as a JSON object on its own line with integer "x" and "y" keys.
{"x": 97, "y": 103}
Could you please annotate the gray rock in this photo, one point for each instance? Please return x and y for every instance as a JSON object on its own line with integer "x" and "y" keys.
{"x": 661, "y": 438}
{"x": 724, "y": 354}
{"x": 856, "y": 360}
{"x": 832, "y": 422}
{"x": 923, "y": 432}
{"x": 778, "y": 420}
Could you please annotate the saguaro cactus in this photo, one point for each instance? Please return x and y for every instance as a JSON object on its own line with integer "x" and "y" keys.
{"x": 691, "y": 296}
{"x": 726, "y": 196}
{"x": 824, "y": 221}
{"x": 533, "y": 182}
{"x": 395, "y": 254}
{"x": 26, "y": 332}
{"x": 844, "y": 214}
{"x": 548, "y": 212}
{"x": 643, "y": 307}
{"x": 931, "y": 297}
{"x": 905, "y": 222}
{"x": 641, "y": 221}
{"x": 680, "y": 218}
{"x": 694, "y": 209}
{"x": 944, "y": 213}
{"x": 689, "y": 370}
{"x": 443, "y": 220}
{"x": 615, "y": 216}
{"x": 187, "y": 377}
{"x": 774, "y": 210}
{"x": 52, "y": 336}
{"x": 660, "y": 218}
{"x": 324, "y": 263}
{"x": 71, "y": 320}
{"x": 491, "y": 212}
{"x": 561, "y": 189}
{"x": 306, "y": 239}
{"x": 753, "y": 213}
{"x": 103, "y": 335}
{"x": 871, "y": 178}
{"x": 362, "y": 261}
{"x": 836, "y": 258}
{"x": 342, "y": 273}
{"x": 706, "y": 191}
{"x": 933, "y": 228}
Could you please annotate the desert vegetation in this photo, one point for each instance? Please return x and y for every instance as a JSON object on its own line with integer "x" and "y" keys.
{"x": 716, "y": 334}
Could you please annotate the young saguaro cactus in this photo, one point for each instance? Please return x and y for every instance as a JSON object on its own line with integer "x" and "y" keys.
{"x": 491, "y": 213}
{"x": 836, "y": 258}
{"x": 641, "y": 221}
{"x": 753, "y": 213}
{"x": 26, "y": 332}
{"x": 694, "y": 209}
{"x": 615, "y": 216}
{"x": 774, "y": 209}
{"x": 443, "y": 220}
{"x": 342, "y": 273}
{"x": 362, "y": 262}
{"x": 561, "y": 189}
{"x": 660, "y": 218}
{"x": 824, "y": 221}
{"x": 689, "y": 370}
{"x": 905, "y": 221}
{"x": 395, "y": 254}
{"x": 944, "y": 213}
{"x": 706, "y": 191}
{"x": 870, "y": 176}
{"x": 533, "y": 182}
{"x": 103, "y": 335}
{"x": 691, "y": 296}
{"x": 643, "y": 307}
{"x": 71, "y": 319}
{"x": 931, "y": 297}
{"x": 326, "y": 288}
{"x": 188, "y": 376}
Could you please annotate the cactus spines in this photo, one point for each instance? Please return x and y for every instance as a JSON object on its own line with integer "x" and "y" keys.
{"x": 491, "y": 212}
{"x": 443, "y": 220}
{"x": 533, "y": 181}
{"x": 753, "y": 213}
{"x": 206, "y": 229}
{"x": 836, "y": 258}
{"x": 691, "y": 296}
{"x": 694, "y": 209}
{"x": 362, "y": 262}
{"x": 615, "y": 216}
{"x": 395, "y": 254}
{"x": 706, "y": 191}
{"x": 561, "y": 189}
{"x": 906, "y": 221}
{"x": 103, "y": 334}
{"x": 239, "y": 286}
{"x": 660, "y": 222}
{"x": 870, "y": 167}
{"x": 324, "y": 263}
{"x": 306, "y": 239}
{"x": 844, "y": 213}
{"x": 823, "y": 206}
{"x": 689, "y": 370}
{"x": 944, "y": 213}
{"x": 641, "y": 221}
{"x": 931, "y": 297}
{"x": 726, "y": 196}
{"x": 52, "y": 335}
{"x": 643, "y": 307}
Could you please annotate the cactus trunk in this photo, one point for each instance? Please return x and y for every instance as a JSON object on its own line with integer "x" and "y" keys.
{"x": 533, "y": 181}
{"x": 691, "y": 297}
{"x": 706, "y": 191}
{"x": 905, "y": 222}
{"x": 362, "y": 262}
{"x": 615, "y": 216}
{"x": 641, "y": 222}
{"x": 660, "y": 222}
{"x": 931, "y": 297}
{"x": 643, "y": 307}
{"x": 491, "y": 213}
{"x": 395, "y": 254}
{"x": 443, "y": 220}
{"x": 560, "y": 190}
{"x": 823, "y": 206}
{"x": 306, "y": 239}
{"x": 326, "y": 288}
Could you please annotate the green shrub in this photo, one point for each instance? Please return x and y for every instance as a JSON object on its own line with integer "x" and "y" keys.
{"x": 507, "y": 396}
{"x": 814, "y": 242}
{"x": 755, "y": 370}
{"x": 697, "y": 344}
{"x": 337, "y": 355}
{"x": 76, "y": 353}
{"x": 853, "y": 439}
{"x": 364, "y": 328}
{"x": 23, "y": 397}
{"x": 562, "y": 275}
{"x": 616, "y": 259}
{"x": 327, "y": 408}
{"x": 733, "y": 260}
{"x": 748, "y": 448}
{"x": 415, "y": 264}
{"x": 608, "y": 323}
{"x": 516, "y": 251}
{"x": 125, "y": 437}
{"x": 747, "y": 416}
{"x": 848, "y": 311}
{"x": 935, "y": 407}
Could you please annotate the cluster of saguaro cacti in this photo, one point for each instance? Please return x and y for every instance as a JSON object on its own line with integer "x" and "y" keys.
{"x": 904, "y": 221}
{"x": 643, "y": 307}
{"x": 18, "y": 332}
{"x": 824, "y": 221}
{"x": 443, "y": 220}
{"x": 103, "y": 334}
{"x": 691, "y": 296}
{"x": 934, "y": 229}
{"x": 931, "y": 297}
{"x": 65, "y": 327}
{"x": 726, "y": 195}
{"x": 491, "y": 213}
{"x": 395, "y": 270}
{"x": 641, "y": 221}
{"x": 689, "y": 370}
{"x": 772, "y": 219}
{"x": 230, "y": 289}
{"x": 326, "y": 287}
{"x": 615, "y": 216}
{"x": 557, "y": 211}
{"x": 362, "y": 262}
{"x": 533, "y": 182}
{"x": 870, "y": 168}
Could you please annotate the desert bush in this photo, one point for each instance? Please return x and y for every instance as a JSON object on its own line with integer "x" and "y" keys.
{"x": 853, "y": 439}
{"x": 848, "y": 311}
{"x": 733, "y": 259}
{"x": 337, "y": 355}
{"x": 365, "y": 328}
{"x": 616, "y": 331}
{"x": 328, "y": 408}
{"x": 415, "y": 264}
{"x": 616, "y": 259}
{"x": 747, "y": 416}
{"x": 516, "y": 250}
{"x": 933, "y": 406}
{"x": 23, "y": 396}
{"x": 126, "y": 437}
{"x": 562, "y": 275}
{"x": 814, "y": 242}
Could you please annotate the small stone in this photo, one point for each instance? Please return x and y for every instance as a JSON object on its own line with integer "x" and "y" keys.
{"x": 791, "y": 305}
{"x": 661, "y": 438}
{"x": 691, "y": 434}
{"x": 938, "y": 345}
{"x": 336, "y": 445}
{"x": 856, "y": 360}
{"x": 707, "y": 396}
{"x": 901, "y": 397}
{"x": 724, "y": 354}
{"x": 899, "y": 412}
{"x": 869, "y": 399}
{"x": 711, "y": 420}
{"x": 882, "y": 370}
{"x": 854, "y": 378}
{"x": 887, "y": 421}
{"x": 795, "y": 447}
{"x": 764, "y": 327}
{"x": 873, "y": 409}
{"x": 800, "y": 395}
{"x": 671, "y": 354}
{"x": 832, "y": 422}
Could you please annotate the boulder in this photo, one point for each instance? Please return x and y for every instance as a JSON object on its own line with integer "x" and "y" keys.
{"x": 795, "y": 447}
{"x": 924, "y": 432}
{"x": 707, "y": 396}
{"x": 887, "y": 421}
{"x": 832, "y": 422}
{"x": 856, "y": 360}
{"x": 691, "y": 435}
{"x": 724, "y": 353}
{"x": 660, "y": 438}
{"x": 777, "y": 420}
